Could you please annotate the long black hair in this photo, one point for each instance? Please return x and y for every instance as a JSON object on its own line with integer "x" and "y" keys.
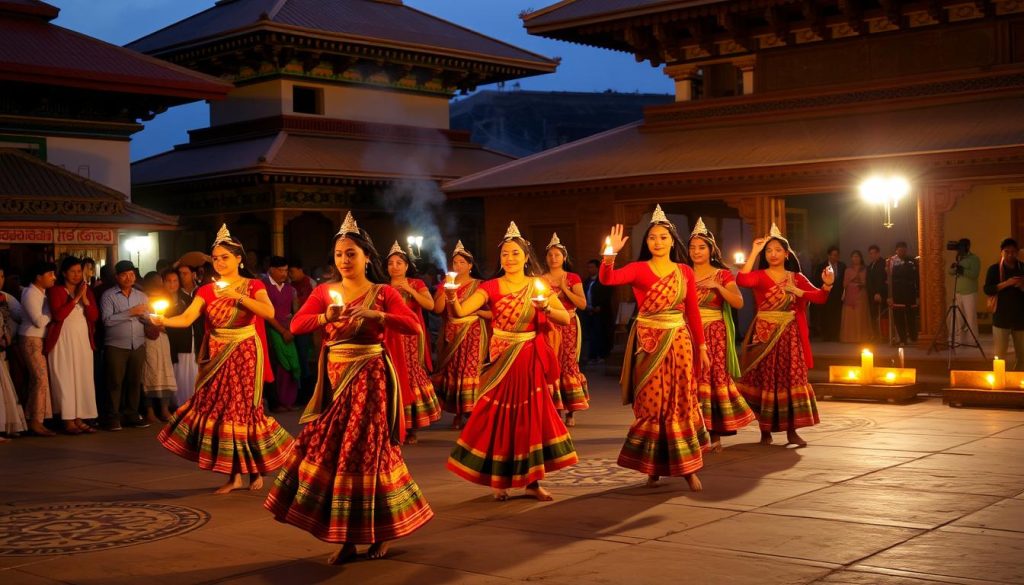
{"x": 678, "y": 254}
{"x": 792, "y": 263}
{"x": 532, "y": 266}
{"x": 474, "y": 270}
{"x": 238, "y": 250}
{"x": 566, "y": 263}
{"x": 375, "y": 272}
{"x": 716, "y": 253}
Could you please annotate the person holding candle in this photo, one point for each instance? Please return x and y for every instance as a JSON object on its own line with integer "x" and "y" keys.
{"x": 462, "y": 344}
{"x": 158, "y": 382}
{"x": 571, "y": 392}
{"x": 777, "y": 350}
{"x": 223, "y": 426}
{"x": 345, "y": 481}
{"x": 515, "y": 435}
{"x": 665, "y": 355}
{"x": 69, "y": 347}
{"x": 418, "y": 397}
{"x": 724, "y": 409}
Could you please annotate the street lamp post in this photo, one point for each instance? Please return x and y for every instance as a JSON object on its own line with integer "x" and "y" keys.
{"x": 137, "y": 245}
{"x": 885, "y": 190}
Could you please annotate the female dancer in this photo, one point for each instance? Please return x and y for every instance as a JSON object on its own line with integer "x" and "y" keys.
{"x": 69, "y": 346}
{"x": 515, "y": 435}
{"x": 777, "y": 351}
{"x": 345, "y": 481}
{"x": 462, "y": 345}
{"x": 571, "y": 392}
{"x": 724, "y": 409}
{"x": 223, "y": 426}
{"x": 418, "y": 398}
{"x": 659, "y": 374}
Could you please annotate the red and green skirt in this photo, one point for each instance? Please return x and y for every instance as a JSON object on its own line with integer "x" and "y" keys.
{"x": 571, "y": 393}
{"x": 221, "y": 428}
{"x": 345, "y": 481}
{"x": 460, "y": 377}
{"x": 668, "y": 436}
{"x": 724, "y": 409}
{"x": 515, "y": 435}
{"x": 777, "y": 389}
{"x": 418, "y": 397}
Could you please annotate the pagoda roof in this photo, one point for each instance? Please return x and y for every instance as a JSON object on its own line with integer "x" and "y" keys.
{"x": 375, "y": 22}
{"x": 32, "y": 189}
{"x": 34, "y": 50}
{"x": 576, "y": 12}
{"x": 727, "y": 143}
{"x": 334, "y": 149}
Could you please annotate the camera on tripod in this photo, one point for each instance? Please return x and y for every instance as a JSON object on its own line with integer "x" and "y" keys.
{"x": 961, "y": 247}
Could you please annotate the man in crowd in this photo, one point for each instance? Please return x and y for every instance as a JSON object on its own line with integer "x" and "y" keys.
{"x": 1004, "y": 284}
{"x": 597, "y": 317}
{"x": 124, "y": 309}
{"x": 903, "y": 274}
{"x": 282, "y": 392}
{"x": 304, "y": 286}
{"x": 966, "y": 270}
{"x": 878, "y": 292}
{"x": 832, "y": 311}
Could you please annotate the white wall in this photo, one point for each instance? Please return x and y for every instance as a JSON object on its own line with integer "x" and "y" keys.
{"x": 103, "y": 161}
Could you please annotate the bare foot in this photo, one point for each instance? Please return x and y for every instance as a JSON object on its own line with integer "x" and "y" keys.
{"x": 652, "y": 481}
{"x": 766, "y": 438}
{"x": 694, "y": 482}
{"x": 346, "y": 553}
{"x": 500, "y": 495}
{"x": 716, "y": 445}
{"x": 794, "y": 439}
{"x": 535, "y": 490}
{"x": 255, "y": 482}
{"x": 378, "y": 550}
{"x": 410, "y": 439}
{"x": 234, "y": 483}
{"x": 570, "y": 421}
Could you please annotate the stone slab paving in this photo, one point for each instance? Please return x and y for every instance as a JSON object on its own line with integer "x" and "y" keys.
{"x": 884, "y": 495}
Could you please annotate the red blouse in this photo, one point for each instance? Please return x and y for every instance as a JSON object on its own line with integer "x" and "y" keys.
{"x": 399, "y": 318}
{"x": 61, "y": 306}
{"x": 762, "y": 283}
{"x": 641, "y": 277}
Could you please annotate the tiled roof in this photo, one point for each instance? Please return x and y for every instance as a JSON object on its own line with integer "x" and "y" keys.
{"x": 33, "y": 50}
{"x": 40, "y": 191}
{"x": 578, "y": 10}
{"x": 390, "y": 23}
{"x": 320, "y": 155}
{"x": 633, "y": 151}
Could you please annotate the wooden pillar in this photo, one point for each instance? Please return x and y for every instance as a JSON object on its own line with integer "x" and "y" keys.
{"x": 684, "y": 76}
{"x": 277, "y": 233}
{"x": 746, "y": 67}
{"x": 933, "y": 202}
{"x": 760, "y": 212}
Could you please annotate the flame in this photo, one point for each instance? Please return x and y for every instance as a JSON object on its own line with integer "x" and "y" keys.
{"x": 852, "y": 374}
{"x": 739, "y": 258}
{"x": 160, "y": 306}
{"x": 221, "y": 284}
{"x": 608, "y": 250}
{"x": 865, "y": 352}
{"x": 991, "y": 379}
{"x": 890, "y": 377}
{"x": 337, "y": 298}
{"x": 539, "y": 285}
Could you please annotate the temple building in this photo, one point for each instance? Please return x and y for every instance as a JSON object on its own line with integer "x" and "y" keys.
{"x": 338, "y": 105}
{"x": 781, "y": 110}
{"x": 70, "y": 104}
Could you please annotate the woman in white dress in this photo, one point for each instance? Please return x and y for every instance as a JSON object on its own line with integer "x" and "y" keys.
{"x": 12, "y": 417}
{"x": 69, "y": 347}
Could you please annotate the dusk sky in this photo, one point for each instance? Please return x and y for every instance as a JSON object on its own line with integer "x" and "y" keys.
{"x": 582, "y": 68}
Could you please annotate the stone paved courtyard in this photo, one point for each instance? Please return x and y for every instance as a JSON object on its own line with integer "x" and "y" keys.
{"x": 885, "y": 494}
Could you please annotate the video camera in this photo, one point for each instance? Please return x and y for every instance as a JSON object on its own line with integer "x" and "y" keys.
{"x": 957, "y": 246}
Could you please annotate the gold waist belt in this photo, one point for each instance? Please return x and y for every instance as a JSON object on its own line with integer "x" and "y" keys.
{"x": 777, "y": 317}
{"x": 662, "y": 320}
{"x": 229, "y": 334}
{"x": 350, "y": 352}
{"x": 710, "y": 315}
{"x": 514, "y": 337}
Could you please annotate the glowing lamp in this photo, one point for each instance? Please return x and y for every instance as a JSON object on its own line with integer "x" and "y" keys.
{"x": 160, "y": 306}
{"x": 336, "y": 299}
{"x": 739, "y": 258}
{"x": 991, "y": 379}
{"x": 538, "y": 284}
{"x": 221, "y": 284}
{"x": 449, "y": 280}
{"x": 852, "y": 375}
{"x": 999, "y": 372}
{"x": 890, "y": 377}
{"x": 608, "y": 250}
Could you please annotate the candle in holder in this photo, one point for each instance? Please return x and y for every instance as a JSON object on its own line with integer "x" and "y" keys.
{"x": 739, "y": 258}
{"x": 999, "y": 372}
{"x": 608, "y": 250}
{"x": 160, "y": 307}
{"x": 867, "y": 365}
{"x": 538, "y": 285}
{"x": 449, "y": 280}
{"x": 336, "y": 299}
{"x": 221, "y": 284}
{"x": 890, "y": 377}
